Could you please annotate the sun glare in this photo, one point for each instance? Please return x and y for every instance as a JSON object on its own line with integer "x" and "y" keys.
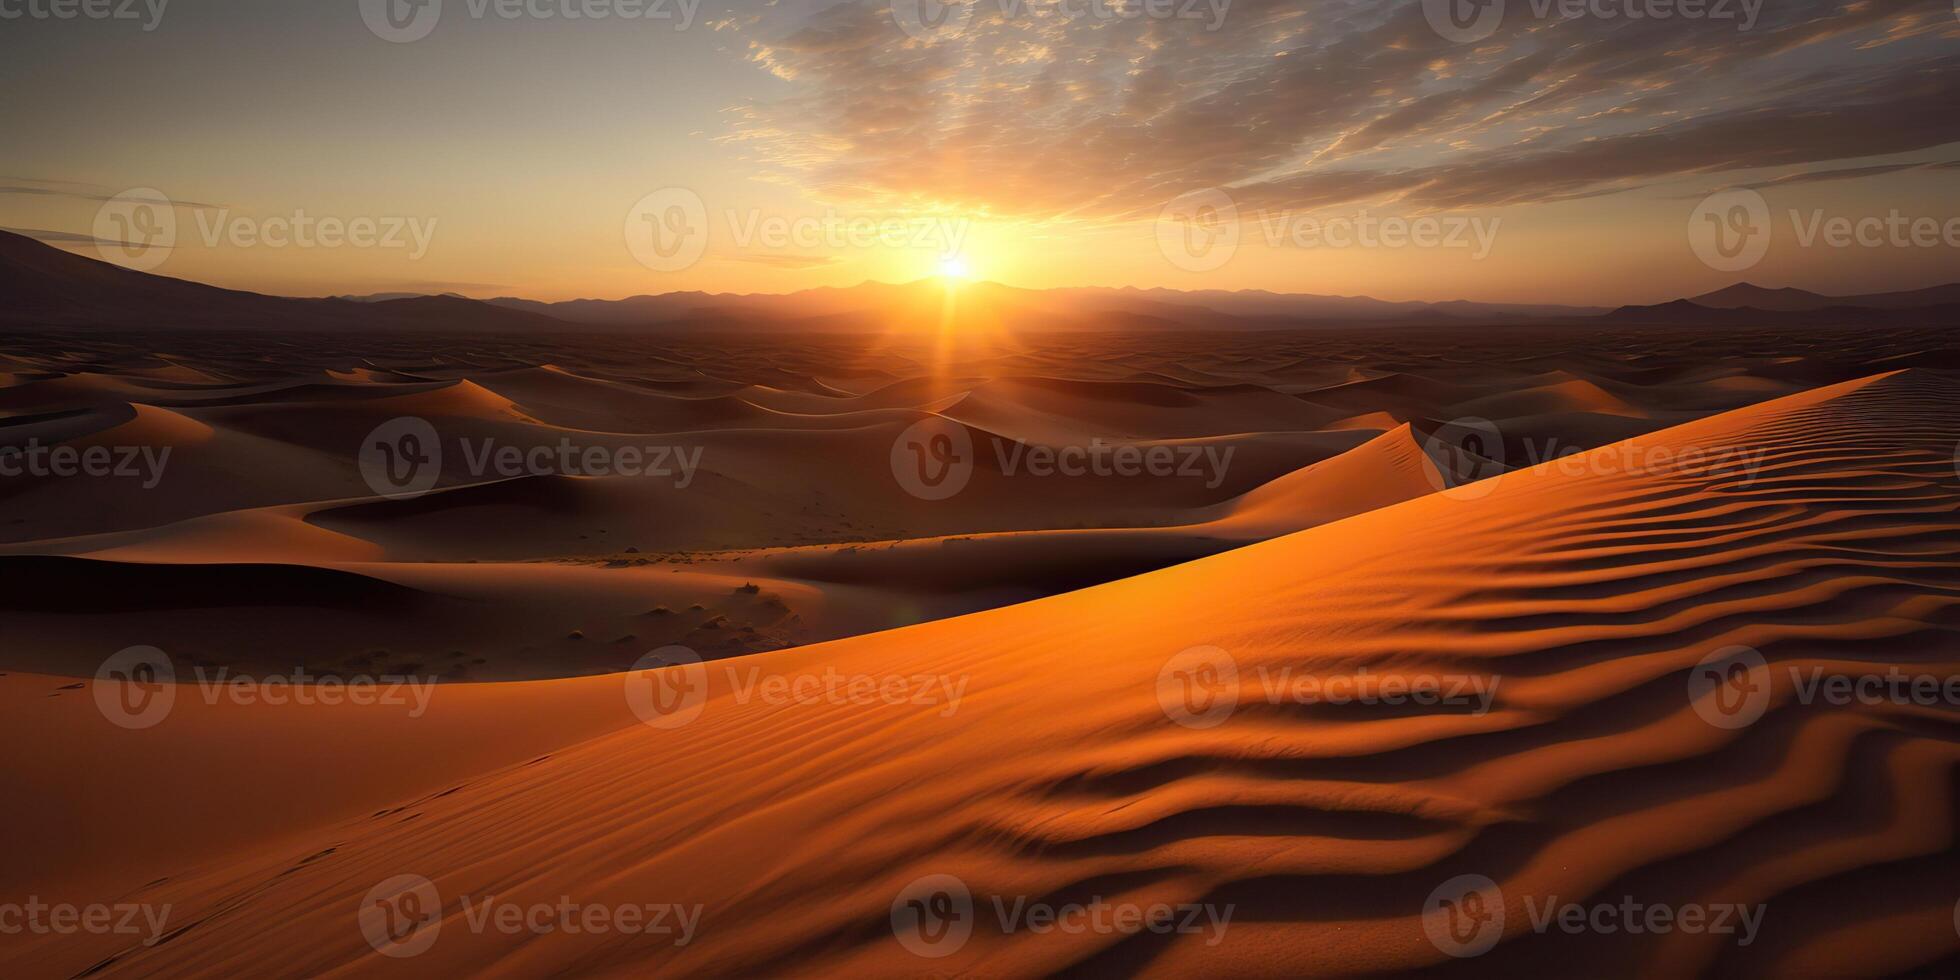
{"x": 954, "y": 267}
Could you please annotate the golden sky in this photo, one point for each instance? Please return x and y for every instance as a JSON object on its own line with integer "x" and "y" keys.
{"x": 518, "y": 147}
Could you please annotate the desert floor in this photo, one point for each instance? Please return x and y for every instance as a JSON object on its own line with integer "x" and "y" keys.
{"x": 1562, "y": 527}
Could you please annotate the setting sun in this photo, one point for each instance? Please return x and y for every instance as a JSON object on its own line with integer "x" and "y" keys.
{"x": 954, "y": 267}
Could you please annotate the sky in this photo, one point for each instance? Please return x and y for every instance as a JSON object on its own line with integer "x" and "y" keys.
{"x": 1559, "y": 151}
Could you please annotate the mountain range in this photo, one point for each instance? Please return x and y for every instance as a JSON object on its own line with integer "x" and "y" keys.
{"x": 48, "y": 286}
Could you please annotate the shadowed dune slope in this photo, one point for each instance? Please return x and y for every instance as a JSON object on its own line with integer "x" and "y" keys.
{"x": 1819, "y": 529}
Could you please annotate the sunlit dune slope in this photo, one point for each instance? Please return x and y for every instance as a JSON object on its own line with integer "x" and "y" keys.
{"x": 1818, "y": 529}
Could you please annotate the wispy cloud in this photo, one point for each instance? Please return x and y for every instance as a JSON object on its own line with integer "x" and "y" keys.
{"x": 1296, "y": 105}
{"x": 31, "y": 186}
{"x": 71, "y": 238}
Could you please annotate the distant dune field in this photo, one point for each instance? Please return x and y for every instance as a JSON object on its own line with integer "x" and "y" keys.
{"x": 762, "y": 463}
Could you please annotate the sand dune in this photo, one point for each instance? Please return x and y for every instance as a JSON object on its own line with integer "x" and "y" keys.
{"x": 793, "y": 483}
{"x": 1586, "y": 590}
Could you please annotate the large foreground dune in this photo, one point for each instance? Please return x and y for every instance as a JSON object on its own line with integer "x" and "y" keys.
{"x": 1136, "y": 743}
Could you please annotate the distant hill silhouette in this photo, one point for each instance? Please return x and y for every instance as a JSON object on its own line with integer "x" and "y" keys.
{"x": 41, "y": 285}
{"x": 1080, "y": 307}
{"x": 1748, "y": 295}
{"x": 1795, "y": 307}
